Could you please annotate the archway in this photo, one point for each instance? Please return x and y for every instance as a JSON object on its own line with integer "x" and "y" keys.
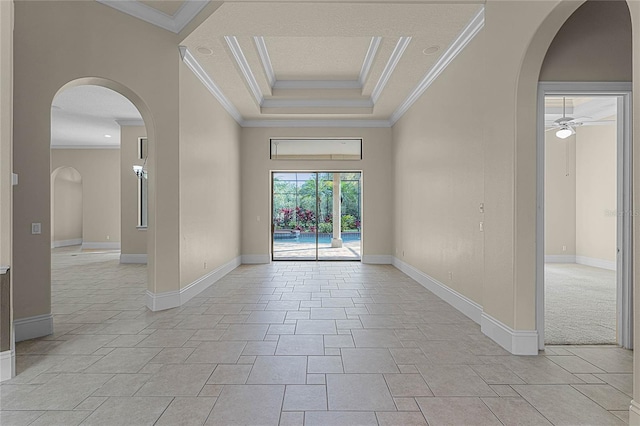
{"x": 66, "y": 207}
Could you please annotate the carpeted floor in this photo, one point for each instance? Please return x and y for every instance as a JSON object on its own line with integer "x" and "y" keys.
{"x": 580, "y": 304}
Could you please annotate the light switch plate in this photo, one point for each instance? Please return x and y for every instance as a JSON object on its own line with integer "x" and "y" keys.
{"x": 36, "y": 228}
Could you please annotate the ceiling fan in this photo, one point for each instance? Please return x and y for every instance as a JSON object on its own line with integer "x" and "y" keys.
{"x": 565, "y": 126}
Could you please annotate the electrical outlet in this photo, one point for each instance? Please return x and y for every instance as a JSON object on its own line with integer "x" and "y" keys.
{"x": 450, "y": 275}
{"x": 36, "y": 228}
{"x": 481, "y": 226}
{"x": 481, "y": 207}
{"x": 108, "y": 237}
{"x": 564, "y": 248}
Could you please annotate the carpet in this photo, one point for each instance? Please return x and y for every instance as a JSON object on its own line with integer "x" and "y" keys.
{"x": 580, "y": 305}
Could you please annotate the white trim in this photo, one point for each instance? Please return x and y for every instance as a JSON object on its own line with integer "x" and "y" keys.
{"x": 173, "y": 299}
{"x": 624, "y": 263}
{"x": 375, "y": 259}
{"x": 175, "y": 23}
{"x": 32, "y": 327}
{"x": 463, "y": 39}
{"x": 261, "y": 47}
{"x": 101, "y": 246}
{"x": 85, "y": 146}
{"x": 208, "y": 82}
{"x": 317, "y": 103}
{"x": 4, "y": 269}
{"x": 255, "y": 259}
{"x": 133, "y": 123}
{"x": 133, "y": 258}
{"x": 517, "y": 342}
{"x": 316, "y": 84}
{"x": 596, "y": 263}
{"x": 66, "y": 243}
{"x": 368, "y": 59}
{"x": 634, "y": 413}
{"x": 397, "y": 53}
{"x": 465, "y": 305}
{"x": 243, "y": 64}
{"x": 206, "y": 281}
{"x": 162, "y": 301}
{"x": 317, "y": 123}
{"x": 7, "y": 365}
{"x": 559, "y": 258}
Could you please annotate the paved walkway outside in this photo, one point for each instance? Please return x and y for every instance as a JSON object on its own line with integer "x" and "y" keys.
{"x": 291, "y": 343}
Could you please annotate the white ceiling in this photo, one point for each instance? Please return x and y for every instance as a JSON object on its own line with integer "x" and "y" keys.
{"x": 589, "y": 110}
{"x": 81, "y": 117}
{"x": 325, "y": 61}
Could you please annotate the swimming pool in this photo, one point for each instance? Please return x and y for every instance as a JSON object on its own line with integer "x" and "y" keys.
{"x": 310, "y": 237}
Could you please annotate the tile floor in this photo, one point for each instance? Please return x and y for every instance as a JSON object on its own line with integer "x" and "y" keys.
{"x": 291, "y": 344}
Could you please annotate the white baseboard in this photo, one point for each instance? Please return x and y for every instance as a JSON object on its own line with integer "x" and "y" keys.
{"x": 375, "y": 259}
{"x": 66, "y": 243}
{"x": 559, "y": 258}
{"x": 516, "y": 342}
{"x": 133, "y": 258}
{"x": 7, "y": 365}
{"x": 101, "y": 246}
{"x": 634, "y": 414}
{"x": 465, "y": 305}
{"x": 32, "y": 327}
{"x": 173, "y": 299}
{"x": 255, "y": 259}
{"x": 596, "y": 263}
{"x": 162, "y": 301}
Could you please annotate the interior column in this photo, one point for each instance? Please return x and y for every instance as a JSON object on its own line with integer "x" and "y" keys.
{"x": 336, "y": 241}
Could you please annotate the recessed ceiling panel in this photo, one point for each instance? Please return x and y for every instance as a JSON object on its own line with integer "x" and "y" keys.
{"x": 317, "y": 58}
{"x": 168, "y": 7}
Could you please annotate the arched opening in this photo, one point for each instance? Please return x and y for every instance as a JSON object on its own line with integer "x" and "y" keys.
{"x": 66, "y": 207}
{"x": 530, "y": 246}
{"x": 96, "y": 142}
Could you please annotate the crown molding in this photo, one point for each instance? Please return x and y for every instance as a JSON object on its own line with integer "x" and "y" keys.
{"x": 317, "y": 103}
{"x": 123, "y": 123}
{"x": 337, "y": 123}
{"x": 261, "y": 46}
{"x": 208, "y": 82}
{"x": 317, "y": 84}
{"x": 241, "y": 60}
{"x": 85, "y": 146}
{"x": 468, "y": 33}
{"x": 397, "y": 53}
{"x": 175, "y": 23}
{"x": 368, "y": 60}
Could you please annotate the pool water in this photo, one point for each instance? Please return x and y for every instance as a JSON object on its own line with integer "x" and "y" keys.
{"x": 308, "y": 237}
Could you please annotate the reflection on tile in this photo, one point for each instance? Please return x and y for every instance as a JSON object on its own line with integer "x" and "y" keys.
{"x": 456, "y": 411}
{"x": 358, "y": 392}
{"x": 186, "y": 411}
{"x": 248, "y": 405}
{"x": 279, "y": 370}
{"x": 128, "y": 411}
{"x": 305, "y": 398}
{"x": 563, "y": 405}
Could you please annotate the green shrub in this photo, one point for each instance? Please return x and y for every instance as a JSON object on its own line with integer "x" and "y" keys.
{"x": 325, "y": 227}
{"x": 348, "y": 222}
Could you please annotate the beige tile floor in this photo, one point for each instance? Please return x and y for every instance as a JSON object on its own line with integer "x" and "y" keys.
{"x": 291, "y": 344}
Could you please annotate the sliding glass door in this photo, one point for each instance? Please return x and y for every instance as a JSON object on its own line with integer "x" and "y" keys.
{"x": 304, "y": 205}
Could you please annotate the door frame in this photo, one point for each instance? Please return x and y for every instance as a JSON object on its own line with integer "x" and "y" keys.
{"x": 624, "y": 259}
{"x": 317, "y": 171}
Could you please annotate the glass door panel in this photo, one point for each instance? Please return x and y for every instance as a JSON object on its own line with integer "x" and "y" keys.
{"x": 294, "y": 216}
{"x": 304, "y": 207}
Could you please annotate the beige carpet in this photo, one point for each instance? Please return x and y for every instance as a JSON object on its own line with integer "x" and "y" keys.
{"x": 580, "y": 304}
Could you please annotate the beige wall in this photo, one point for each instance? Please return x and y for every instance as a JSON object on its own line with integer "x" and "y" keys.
{"x": 209, "y": 182}
{"x": 598, "y": 30}
{"x": 6, "y": 100}
{"x": 439, "y": 173}
{"x": 66, "y": 207}
{"x": 100, "y": 172}
{"x": 559, "y": 195}
{"x": 596, "y": 191}
{"x": 133, "y": 240}
{"x": 377, "y": 184}
{"x": 72, "y": 40}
